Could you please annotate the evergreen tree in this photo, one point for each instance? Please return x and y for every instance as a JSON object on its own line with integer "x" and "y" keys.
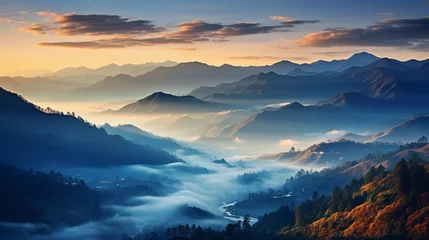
{"x": 336, "y": 199}
{"x": 402, "y": 179}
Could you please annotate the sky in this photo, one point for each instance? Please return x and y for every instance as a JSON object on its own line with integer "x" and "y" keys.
{"x": 42, "y": 34}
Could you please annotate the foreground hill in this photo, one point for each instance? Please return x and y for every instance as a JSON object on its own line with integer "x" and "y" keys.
{"x": 160, "y": 102}
{"x": 381, "y": 205}
{"x": 47, "y": 201}
{"x": 391, "y": 204}
{"x": 36, "y": 138}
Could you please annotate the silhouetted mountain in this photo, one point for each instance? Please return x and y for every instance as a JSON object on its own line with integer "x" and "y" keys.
{"x": 178, "y": 79}
{"x": 86, "y": 76}
{"x": 282, "y": 67}
{"x": 413, "y": 63}
{"x": 187, "y": 76}
{"x": 272, "y": 86}
{"x": 384, "y": 78}
{"x": 160, "y": 102}
{"x": 34, "y": 137}
{"x": 356, "y": 60}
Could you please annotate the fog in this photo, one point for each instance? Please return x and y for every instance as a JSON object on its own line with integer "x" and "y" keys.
{"x": 197, "y": 182}
{"x": 207, "y": 191}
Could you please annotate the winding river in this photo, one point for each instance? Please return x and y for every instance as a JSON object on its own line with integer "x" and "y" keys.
{"x": 232, "y": 217}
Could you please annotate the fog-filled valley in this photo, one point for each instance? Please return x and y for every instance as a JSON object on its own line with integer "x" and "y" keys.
{"x": 159, "y": 151}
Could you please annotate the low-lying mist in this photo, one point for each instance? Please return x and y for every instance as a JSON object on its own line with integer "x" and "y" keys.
{"x": 176, "y": 189}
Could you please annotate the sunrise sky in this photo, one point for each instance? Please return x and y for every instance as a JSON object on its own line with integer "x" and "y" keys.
{"x": 42, "y": 34}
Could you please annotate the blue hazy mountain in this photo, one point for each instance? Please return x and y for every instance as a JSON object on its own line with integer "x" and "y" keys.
{"x": 350, "y": 110}
{"x": 187, "y": 76}
{"x": 356, "y": 60}
{"x": 160, "y": 102}
{"x": 138, "y": 136}
{"x": 34, "y": 137}
{"x": 384, "y": 78}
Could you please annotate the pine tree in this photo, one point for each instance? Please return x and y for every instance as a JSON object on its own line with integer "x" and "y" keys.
{"x": 402, "y": 179}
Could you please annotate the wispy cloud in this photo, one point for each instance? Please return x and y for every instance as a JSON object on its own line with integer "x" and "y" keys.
{"x": 198, "y": 29}
{"x": 279, "y": 47}
{"x": 36, "y": 28}
{"x": 187, "y": 49}
{"x": 128, "y": 32}
{"x": 288, "y": 143}
{"x": 385, "y": 13}
{"x": 25, "y": 12}
{"x": 3, "y": 19}
{"x": 48, "y": 14}
{"x": 287, "y": 21}
{"x": 115, "y": 43}
{"x": 389, "y": 32}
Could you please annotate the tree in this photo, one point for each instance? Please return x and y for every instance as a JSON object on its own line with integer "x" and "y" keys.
{"x": 153, "y": 236}
{"x": 315, "y": 196}
{"x": 402, "y": 179}
{"x": 423, "y": 139}
{"x": 246, "y": 223}
{"x": 369, "y": 176}
{"x": 299, "y": 216}
{"x": 336, "y": 198}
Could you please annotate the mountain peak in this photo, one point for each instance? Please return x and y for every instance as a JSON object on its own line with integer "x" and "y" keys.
{"x": 158, "y": 96}
{"x": 293, "y": 105}
{"x": 192, "y": 64}
{"x": 364, "y": 55}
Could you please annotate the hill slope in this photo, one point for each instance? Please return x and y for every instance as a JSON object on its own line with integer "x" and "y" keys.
{"x": 160, "y": 102}
{"x": 33, "y": 137}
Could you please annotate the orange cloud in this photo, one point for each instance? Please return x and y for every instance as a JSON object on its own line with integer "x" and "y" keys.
{"x": 2, "y": 19}
{"x": 36, "y": 28}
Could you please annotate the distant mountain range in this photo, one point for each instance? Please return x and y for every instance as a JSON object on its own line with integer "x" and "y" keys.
{"x": 160, "y": 102}
{"x": 40, "y": 87}
{"x": 383, "y": 90}
{"x": 86, "y": 76}
{"x": 32, "y": 137}
{"x": 187, "y": 76}
{"x": 353, "y": 146}
{"x": 384, "y": 78}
